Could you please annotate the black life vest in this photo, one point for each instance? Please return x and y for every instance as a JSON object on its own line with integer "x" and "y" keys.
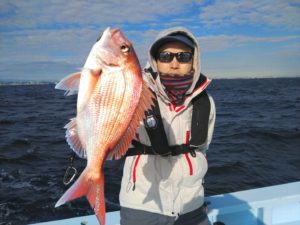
{"x": 158, "y": 138}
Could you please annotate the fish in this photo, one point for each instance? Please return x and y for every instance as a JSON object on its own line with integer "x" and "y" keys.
{"x": 112, "y": 98}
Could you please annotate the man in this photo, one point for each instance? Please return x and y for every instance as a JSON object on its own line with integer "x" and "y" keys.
{"x": 164, "y": 169}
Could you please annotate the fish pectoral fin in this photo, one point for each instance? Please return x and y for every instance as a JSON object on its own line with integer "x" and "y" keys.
{"x": 70, "y": 84}
{"x": 88, "y": 82}
{"x": 73, "y": 139}
{"x": 145, "y": 103}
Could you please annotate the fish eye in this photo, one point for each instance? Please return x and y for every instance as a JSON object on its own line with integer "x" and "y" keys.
{"x": 125, "y": 49}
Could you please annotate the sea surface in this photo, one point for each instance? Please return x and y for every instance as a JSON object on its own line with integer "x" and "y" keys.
{"x": 256, "y": 143}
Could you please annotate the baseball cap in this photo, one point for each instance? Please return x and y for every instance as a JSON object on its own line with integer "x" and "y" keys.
{"x": 178, "y": 37}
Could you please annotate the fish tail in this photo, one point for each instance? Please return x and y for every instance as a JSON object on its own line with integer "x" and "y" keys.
{"x": 96, "y": 199}
{"x": 78, "y": 189}
{"x": 93, "y": 189}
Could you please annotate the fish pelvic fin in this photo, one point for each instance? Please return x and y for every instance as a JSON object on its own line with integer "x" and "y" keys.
{"x": 70, "y": 84}
{"x": 145, "y": 103}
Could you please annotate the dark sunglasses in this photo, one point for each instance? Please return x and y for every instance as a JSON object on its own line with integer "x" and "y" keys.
{"x": 182, "y": 57}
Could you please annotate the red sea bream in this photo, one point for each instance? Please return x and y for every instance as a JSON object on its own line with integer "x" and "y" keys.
{"x": 112, "y": 98}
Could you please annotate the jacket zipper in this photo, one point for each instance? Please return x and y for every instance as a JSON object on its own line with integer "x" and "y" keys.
{"x": 187, "y": 139}
{"x": 134, "y": 171}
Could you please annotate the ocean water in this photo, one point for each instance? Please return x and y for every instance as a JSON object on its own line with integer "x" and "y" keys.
{"x": 256, "y": 143}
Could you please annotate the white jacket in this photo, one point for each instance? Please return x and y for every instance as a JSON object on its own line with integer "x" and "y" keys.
{"x": 169, "y": 185}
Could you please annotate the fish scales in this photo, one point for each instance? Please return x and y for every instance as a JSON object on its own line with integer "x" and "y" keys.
{"x": 104, "y": 97}
{"x": 116, "y": 104}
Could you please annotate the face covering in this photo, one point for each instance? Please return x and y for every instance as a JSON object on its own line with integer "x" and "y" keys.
{"x": 176, "y": 86}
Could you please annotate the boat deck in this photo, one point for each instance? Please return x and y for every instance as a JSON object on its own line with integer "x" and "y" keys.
{"x": 274, "y": 205}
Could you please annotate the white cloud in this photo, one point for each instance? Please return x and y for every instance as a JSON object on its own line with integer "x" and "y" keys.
{"x": 284, "y": 14}
{"x": 43, "y": 30}
{"x": 291, "y": 50}
{"x": 42, "y": 45}
{"x": 42, "y": 71}
{"x": 223, "y": 42}
{"x": 30, "y": 14}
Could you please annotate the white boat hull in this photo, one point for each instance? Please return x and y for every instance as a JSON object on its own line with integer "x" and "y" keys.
{"x": 274, "y": 205}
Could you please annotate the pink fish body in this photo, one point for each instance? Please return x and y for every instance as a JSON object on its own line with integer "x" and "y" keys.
{"x": 112, "y": 98}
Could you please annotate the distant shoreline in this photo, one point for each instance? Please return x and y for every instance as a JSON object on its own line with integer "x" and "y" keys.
{"x": 31, "y": 82}
{"x": 19, "y": 83}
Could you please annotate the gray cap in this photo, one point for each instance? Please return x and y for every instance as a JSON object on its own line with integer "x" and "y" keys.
{"x": 177, "y": 37}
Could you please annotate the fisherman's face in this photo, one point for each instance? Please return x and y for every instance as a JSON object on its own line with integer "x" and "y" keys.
{"x": 174, "y": 67}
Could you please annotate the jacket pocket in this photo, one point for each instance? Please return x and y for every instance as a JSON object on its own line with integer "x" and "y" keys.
{"x": 194, "y": 169}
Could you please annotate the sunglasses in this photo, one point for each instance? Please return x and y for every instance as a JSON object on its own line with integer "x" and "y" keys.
{"x": 182, "y": 57}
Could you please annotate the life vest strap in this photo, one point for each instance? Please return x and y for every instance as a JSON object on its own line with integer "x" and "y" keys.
{"x": 157, "y": 135}
{"x": 141, "y": 149}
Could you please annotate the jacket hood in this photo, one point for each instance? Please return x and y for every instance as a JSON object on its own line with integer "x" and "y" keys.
{"x": 196, "y": 59}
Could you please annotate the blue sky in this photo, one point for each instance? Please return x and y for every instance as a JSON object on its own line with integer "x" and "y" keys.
{"x": 47, "y": 40}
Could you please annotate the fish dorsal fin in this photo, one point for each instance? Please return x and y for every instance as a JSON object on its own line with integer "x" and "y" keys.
{"x": 70, "y": 84}
{"x": 74, "y": 140}
{"x": 145, "y": 103}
